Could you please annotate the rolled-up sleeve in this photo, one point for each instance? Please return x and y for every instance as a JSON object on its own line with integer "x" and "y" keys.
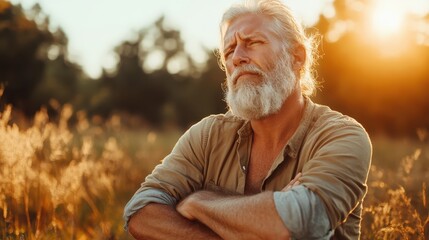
{"x": 337, "y": 171}
{"x": 303, "y": 213}
{"x": 141, "y": 199}
{"x": 179, "y": 174}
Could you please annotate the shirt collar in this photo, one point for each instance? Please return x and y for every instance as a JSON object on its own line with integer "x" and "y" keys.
{"x": 245, "y": 130}
{"x": 294, "y": 144}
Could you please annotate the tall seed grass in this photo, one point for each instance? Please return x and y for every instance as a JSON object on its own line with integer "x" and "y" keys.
{"x": 53, "y": 183}
{"x": 396, "y": 203}
{"x": 63, "y": 182}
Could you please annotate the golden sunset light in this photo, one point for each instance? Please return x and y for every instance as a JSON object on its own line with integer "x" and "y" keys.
{"x": 390, "y": 26}
{"x": 109, "y": 106}
{"x": 387, "y": 18}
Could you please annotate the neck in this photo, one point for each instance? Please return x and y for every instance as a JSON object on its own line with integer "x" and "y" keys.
{"x": 276, "y": 129}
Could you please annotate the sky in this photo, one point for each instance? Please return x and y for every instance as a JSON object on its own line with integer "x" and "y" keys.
{"x": 95, "y": 27}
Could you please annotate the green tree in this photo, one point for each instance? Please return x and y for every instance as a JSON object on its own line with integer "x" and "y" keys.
{"x": 22, "y": 45}
{"x": 203, "y": 95}
{"x": 156, "y": 78}
{"x": 34, "y": 65}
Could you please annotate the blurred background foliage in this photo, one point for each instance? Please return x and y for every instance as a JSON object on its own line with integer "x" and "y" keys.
{"x": 380, "y": 82}
{"x": 154, "y": 77}
{"x": 67, "y": 131}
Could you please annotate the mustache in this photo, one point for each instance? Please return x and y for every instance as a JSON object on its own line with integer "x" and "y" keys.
{"x": 252, "y": 69}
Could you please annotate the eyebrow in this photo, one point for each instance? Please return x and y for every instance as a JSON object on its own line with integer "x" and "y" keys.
{"x": 244, "y": 37}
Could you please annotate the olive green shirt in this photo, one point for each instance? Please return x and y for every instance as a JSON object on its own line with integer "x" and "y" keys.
{"x": 332, "y": 151}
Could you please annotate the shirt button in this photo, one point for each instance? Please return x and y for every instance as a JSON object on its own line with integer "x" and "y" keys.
{"x": 244, "y": 168}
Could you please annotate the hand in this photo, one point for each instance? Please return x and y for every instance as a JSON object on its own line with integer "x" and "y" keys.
{"x": 185, "y": 208}
{"x": 188, "y": 206}
{"x": 293, "y": 183}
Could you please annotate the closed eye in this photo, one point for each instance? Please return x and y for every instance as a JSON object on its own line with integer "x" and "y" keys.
{"x": 228, "y": 53}
{"x": 255, "y": 42}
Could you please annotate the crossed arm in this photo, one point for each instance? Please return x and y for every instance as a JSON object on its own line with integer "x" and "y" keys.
{"x": 208, "y": 215}
{"x": 236, "y": 217}
{"x": 166, "y": 223}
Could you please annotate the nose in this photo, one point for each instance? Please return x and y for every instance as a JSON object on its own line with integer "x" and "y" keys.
{"x": 240, "y": 56}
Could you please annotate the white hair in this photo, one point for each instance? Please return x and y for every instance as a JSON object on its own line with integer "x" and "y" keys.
{"x": 286, "y": 27}
{"x": 249, "y": 101}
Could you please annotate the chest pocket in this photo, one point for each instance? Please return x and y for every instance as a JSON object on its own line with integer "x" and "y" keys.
{"x": 212, "y": 186}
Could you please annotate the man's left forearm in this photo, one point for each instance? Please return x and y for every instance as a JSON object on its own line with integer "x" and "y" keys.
{"x": 236, "y": 217}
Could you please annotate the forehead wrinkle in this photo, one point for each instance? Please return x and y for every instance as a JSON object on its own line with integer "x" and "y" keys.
{"x": 242, "y": 36}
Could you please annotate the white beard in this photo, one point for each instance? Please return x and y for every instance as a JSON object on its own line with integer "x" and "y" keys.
{"x": 249, "y": 100}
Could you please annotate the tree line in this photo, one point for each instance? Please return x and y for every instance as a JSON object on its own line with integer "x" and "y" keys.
{"x": 387, "y": 94}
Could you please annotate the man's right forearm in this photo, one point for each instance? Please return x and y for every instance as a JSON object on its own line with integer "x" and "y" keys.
{"x": 160, "y": 221}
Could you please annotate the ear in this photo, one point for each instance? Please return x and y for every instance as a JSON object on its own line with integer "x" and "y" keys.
{"x": 299, "y": 57}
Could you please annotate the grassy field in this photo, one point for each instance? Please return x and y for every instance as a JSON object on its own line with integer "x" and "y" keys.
{"x": 62, "y": 182}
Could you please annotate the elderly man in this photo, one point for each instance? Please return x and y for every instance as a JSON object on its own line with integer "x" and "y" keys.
{"x": 277, "y": 165}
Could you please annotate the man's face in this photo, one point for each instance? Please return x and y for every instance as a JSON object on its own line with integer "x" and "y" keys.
{"x": 250, "y": 39}
{"x": 258, "y": 69}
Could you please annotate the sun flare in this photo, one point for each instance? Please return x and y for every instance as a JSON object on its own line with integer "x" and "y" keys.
{"x": 387, "y": 18}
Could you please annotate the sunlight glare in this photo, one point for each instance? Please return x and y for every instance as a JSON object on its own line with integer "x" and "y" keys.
{"x": 387, "y": 18}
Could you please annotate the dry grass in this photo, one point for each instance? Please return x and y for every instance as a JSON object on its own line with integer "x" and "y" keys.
{"x": 396, "y": 203}
{"x": 52, "y": 182}
{"x": 62, "y": 182}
